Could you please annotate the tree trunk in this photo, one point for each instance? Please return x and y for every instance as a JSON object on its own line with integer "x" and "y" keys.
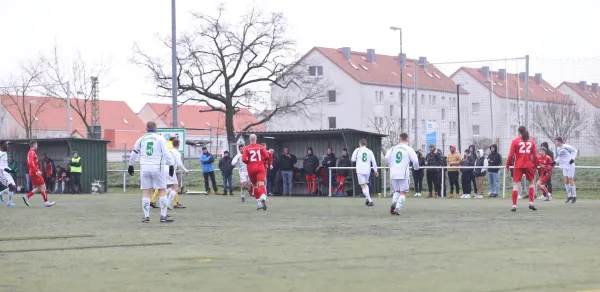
{"x": 229, "y": 126}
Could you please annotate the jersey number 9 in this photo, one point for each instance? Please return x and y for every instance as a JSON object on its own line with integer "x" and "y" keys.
{"x": 398, "y": 157}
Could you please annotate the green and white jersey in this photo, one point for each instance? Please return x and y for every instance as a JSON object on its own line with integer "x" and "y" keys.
{"x": 153, "y": 152}
{"x": 398, "y": 158}
{"x": 365, "y": 160}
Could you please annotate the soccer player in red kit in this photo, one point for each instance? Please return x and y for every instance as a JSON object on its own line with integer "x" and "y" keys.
{"x": 523, "y": 152}
{"x": 37, "y": 181}
{"x": 545, "y": 170}
{"x": 254, "y": 156}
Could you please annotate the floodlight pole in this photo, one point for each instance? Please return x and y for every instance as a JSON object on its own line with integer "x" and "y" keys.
{"x": 173, "y": 65}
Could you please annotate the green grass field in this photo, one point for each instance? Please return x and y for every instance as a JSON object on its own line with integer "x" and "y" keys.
{"x": 97, "y": 243}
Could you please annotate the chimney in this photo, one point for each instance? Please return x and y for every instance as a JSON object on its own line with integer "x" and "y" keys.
{"x": 538, "y": 78}
{"x": 485, "y": 70}
{"x": 371, "y": 55}
{"x": 502, "y": 74}
{"x": 402, "y": 59}
{"x": 346, "y": 52}
{"x": 583, "y": 85}
{"x": 423, "y": 61}
{"x": 523, "y": 76}
{"x": 595, "y": 87}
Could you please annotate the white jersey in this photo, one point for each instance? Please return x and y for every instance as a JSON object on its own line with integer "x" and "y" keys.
{"x": 237, "y": 161}
{"x": 564, "y": 154}
{"x": 398, "y": 158}
{"x": 365, "y": 160}
{"x": 3, "y": 160}
{"x": 153, "y": 152}
{"x": 177, "y": 160}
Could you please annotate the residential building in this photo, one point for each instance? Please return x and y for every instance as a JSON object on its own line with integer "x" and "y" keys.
{"x": 364, "y": 94}
{"x": 495, "y": 107}
{"x": 588, "y": 96}
{"x": 120, "y": 125}
{"x": 201, "y": 123}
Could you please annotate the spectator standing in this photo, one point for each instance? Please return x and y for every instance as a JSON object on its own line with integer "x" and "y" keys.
{"x": 330, "y": 161}
{"x": 494, "y": 159}
{"x": 208, "y": 171}
{"x": 226, "y": 168}
{"x": 342, "y": 174}
{"x": 419, "y": 174}
{"x": 433, "y": 159}
{"x": 48, "y": 171}
{"x": 287, "y": 170}
{"x": 454, "y": 160}
{"x": 310, "y": 165}
{"x": 473, "y": 156}
{"x": 61, "y": 180}
{"x": 76, "y": 170}
{"x": 272, "y": 173}
{"x": 14, "y": 166}
{"x": 467, "y": 174}
{"x": 551, "y": 154}
{"x": 481, "y": 165}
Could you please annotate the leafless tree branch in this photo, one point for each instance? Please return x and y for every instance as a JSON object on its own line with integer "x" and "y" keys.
{"x": 559, "y": 119}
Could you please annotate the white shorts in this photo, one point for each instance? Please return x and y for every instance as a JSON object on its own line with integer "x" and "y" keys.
{"x": 363, "y": 179}
{"x": 244, "y": 177}
{"x": 6, "y": 179}
{"x": 400, "y": 185}
{"x": 153, "y": 180}
{"x": 171, "y": 180}
{"x": 569, "y": 171}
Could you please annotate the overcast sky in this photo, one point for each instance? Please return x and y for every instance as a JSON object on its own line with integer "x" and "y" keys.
{"x": 561, "y": 37}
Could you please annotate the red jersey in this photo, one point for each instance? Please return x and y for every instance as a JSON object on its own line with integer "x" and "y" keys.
{"x": 255, "y": 156}
{"x": 545, "y": 163}
{"x": 524, "y": 153}
{"x": 32, "y": 162}
{"x": 267, "y": 161}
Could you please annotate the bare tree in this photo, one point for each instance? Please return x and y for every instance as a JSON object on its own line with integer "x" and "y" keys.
{"x": 78, "y": 74}
{"x": 18, "y": 92}
{"x": 595, "y": 129}
{"x": 218, "y": 62}
{"x": 389, "y": 126}
{"x": 482, "y": 143}
{"x": 560, "y": 119}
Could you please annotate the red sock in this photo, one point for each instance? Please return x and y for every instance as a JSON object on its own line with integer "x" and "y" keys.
{"x": 45, "y": 196}
{"x": 256, "y": 193}
{"x": 30, "y": 194}
{"x": 308, "y": 187}
{"x": 515, "y": 194}
{"x": 544, "y": 190}
{"x": 262, "y": 190}
{"x": 531, "y": 193}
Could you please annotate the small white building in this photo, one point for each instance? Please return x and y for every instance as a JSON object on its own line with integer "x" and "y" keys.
{"x": 365, "y": 95}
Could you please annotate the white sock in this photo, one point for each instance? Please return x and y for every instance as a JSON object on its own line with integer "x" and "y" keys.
{"x": 170, "y": 196}
{"x": 395, "y": 198}
{"x": 146, "y": 207}
{"x": 243, "y": 193}
{"x": 366, "y": 193}
{"x": 400, "y": 202}
{"x": 573, "y": 192}
{"x": 10, "y": 196}
{"x": 164, "y": 202}
{"x": 258, "y": 203}
{"x": 568, "y": 189}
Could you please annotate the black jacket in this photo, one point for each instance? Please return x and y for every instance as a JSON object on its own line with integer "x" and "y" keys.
{"x": 468, "y": 162}
{"x": 225, "y": 166}
{"x": 329, "y": 160}
{"x": 344, "y": 162}
{"x": 276, "y": 166}
{"x": 421, "y": 163}
{"x": 433, "y": 159}
{"x": 287, "y": 163}
{"x": 494, "y": 159}
{"x": 311, "y": 163}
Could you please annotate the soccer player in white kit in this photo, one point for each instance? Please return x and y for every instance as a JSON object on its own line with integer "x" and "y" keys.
{"x": 172, "y": 180}
{"x": 243, "y": 170}
{"x": 565, "y": 157}
{"x": 153, "y": 152}
{"x": 365, "y": 160}
{"x": 5, "y": 177}
{"x": 398, "y": 158}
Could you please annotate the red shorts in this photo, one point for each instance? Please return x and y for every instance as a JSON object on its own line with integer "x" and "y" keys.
{"x": 341, "y": 179}
{"x": 311, "y": 177}
{"x": 36, "y": 180}
{"x": 257, "y": 176}
{"x": 519, "y": 172}
{"x": 544, "y": 178}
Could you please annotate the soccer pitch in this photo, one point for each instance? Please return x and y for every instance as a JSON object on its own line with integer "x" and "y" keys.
{"x": 98, "y": 243}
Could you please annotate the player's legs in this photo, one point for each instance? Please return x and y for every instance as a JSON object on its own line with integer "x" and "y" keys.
{"x": 159, "y": 182}
{"x": 154, "y": 197}
{"x": 400, "y": 188}
{"x": 363, "y": 180}
{"x": 517, "y": 178}
{"x": 530, "y": 176}
{"x": 244, "y": 185}
{"x": 146, "y": 187}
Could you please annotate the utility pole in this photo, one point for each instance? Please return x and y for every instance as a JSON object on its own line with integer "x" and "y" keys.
{"x": 527, "y": 91}
{"x": 401, "y": 60}
{"x": 458, "y": 113}
{"x": 173, "y": 65}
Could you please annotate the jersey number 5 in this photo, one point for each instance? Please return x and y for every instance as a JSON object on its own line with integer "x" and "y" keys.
{"x": 524, "y": 147}
{"x": 254, "y": 155}
{"x": 398, "y": 157}
{"x": 364, "y": 157}
{"x": 149, "y": 148}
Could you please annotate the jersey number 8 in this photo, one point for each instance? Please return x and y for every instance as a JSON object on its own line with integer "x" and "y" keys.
{"x": 253, "y": 156}
{"x": 522, "y": 146}
{"x": 364, "y": 157}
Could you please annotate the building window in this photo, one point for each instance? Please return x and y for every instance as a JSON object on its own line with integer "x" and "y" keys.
{"x": 433, "y": 101}
{"x": 391, "y": 95}
{"x": 378, "y": 96}
{"x": 413, "y": 98}
{"x": 403, "y": 124}
{"x": 332, "y": 123}
{"x": 475, "y": 107}
{"x": 443, "y": 114}
{"x": 422, "y": 100}
{"x": 315, "y": 71}
{"x": 476, "y": 130}
{"x": 379, "y": 122}
{"x": 403, "y": 98}
{"x": 391, "y": 110}
{"x": 513, "y": 107}
{"x": 423, "y": 125}
{"x": 332, "y": 96}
